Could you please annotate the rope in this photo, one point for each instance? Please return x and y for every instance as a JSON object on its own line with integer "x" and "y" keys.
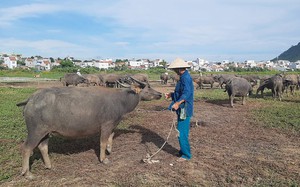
{"x": 149, "y": 157}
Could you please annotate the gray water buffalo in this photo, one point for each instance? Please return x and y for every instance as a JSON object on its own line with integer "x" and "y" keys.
{"x": 110, "y": 80}
{"x": 174, "y": 78}
{"x": 205, "y": 79}
{"x": 238, "y": 86}
{"x": 223, "y": 79}
{"x": 290, "y": 81}
{"x": 164, "y": 77}
{"x": 141, "y": 77}
{"x": 92, "y": 79}
{"x": 275, "y": 83}
{"x": 75, "y": 112}
{"x": 73, "y": 79}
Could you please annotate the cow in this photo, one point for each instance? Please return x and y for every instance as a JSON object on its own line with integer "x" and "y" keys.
{"x": 164, "y": 78}
{"x": 73, "y": 79}
{"x": 75, "y": 112}
{"x": 238, "y": 86}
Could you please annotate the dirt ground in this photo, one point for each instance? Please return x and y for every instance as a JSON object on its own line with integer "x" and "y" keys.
{"x": 229, "y": 149}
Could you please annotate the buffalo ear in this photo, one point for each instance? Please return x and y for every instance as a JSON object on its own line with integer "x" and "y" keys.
{"x": 136, "y": 88}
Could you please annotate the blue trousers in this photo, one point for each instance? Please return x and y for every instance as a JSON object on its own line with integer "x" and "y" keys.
{"x": 184, "y": 130}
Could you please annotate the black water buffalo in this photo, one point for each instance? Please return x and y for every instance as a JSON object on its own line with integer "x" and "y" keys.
{"x": 164, "y": 78}
{"x": 275, "y": 83}
{"x": 75, "y": 112}
{"x": 73, "y": 79}
{"x": 237, "y": 86}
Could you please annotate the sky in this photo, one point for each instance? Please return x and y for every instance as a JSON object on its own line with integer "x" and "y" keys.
{"x": 214, "y": 30}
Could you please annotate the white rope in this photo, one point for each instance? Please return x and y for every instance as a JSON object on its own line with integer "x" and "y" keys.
{"x": 149, "y": 157}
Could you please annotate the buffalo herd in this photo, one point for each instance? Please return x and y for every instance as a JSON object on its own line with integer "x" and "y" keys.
{"x": 79, "y": 111}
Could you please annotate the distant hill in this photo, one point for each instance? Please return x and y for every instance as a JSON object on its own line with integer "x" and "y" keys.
{"x": 292, "y": 54}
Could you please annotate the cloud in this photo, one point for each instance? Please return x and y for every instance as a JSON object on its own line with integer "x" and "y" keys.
{"x": 170, "y": 28}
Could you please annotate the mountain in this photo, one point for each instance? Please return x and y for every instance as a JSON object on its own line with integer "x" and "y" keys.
{"x": 292, "y": 54}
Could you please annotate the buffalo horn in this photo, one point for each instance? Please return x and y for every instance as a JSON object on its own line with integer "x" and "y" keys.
{"x": 141, "y": 83}
{"x": 124, "y": 85}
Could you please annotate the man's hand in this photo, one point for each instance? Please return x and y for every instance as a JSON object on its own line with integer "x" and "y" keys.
{"x": 167, "y": 95}
{"x": 175, "y": 106}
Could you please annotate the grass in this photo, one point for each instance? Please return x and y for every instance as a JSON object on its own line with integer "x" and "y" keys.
{"x": 276, "y": 114}
{"x": 12, "y": 130}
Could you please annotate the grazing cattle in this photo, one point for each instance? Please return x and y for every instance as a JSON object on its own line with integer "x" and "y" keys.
{"x": 76, "y": 112}
{"x": 275, "y": 83}
{"x": 164, "y": 78}
{"x": 73, "y": 79}
{"x": 237, "y": 86}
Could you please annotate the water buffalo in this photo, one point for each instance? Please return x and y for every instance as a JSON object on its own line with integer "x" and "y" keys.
{"x": 275, "y": 83}
{"x": 73, "y": 79}
{"x": 141, "y": 77}
{"x": 223, "y": 79}
{"x": 75, "y": 112}
{"x": 110, "y": 80}
{"x": 237, "y": 86}
{"x": 164, "y": 78}
{"x": 204, "y": 80}
{"x": 290, "y": 81}
{"x": 174, "y": 78}
{"x": 92, "y": 79}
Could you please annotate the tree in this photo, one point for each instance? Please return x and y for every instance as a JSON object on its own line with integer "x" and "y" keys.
{"x": 163, "y": 63}
{"x": 66, "y": 63}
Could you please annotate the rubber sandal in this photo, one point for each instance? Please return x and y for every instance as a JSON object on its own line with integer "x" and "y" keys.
{"x": 181, "y": 159}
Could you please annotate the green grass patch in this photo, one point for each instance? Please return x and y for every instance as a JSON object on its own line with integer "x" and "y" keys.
{"x": 12, "y": 130}
{"x": 279, "y": 114}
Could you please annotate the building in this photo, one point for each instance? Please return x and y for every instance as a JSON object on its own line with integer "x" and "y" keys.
{"x": 10, "y": 62}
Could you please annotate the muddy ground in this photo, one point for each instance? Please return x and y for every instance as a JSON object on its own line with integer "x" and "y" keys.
{"x": 229, "y": 149}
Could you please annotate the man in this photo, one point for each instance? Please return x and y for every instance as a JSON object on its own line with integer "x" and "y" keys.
{"x": 183, "y": 104}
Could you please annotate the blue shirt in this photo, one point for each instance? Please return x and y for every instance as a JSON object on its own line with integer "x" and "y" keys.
{"x": 184, "y": 90}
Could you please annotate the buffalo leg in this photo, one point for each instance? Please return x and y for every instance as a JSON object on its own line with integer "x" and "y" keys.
{"x": 109, "y": 143}
{"x": 31, "y": 142}
{"x": 243, "y": 100}
{"x": 231, "y": 100}
{"x": 103, "y": 144}
{"x": 43, "y": 147}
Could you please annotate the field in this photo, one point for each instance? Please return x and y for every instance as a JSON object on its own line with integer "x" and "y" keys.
{"x": 257, "y": 144}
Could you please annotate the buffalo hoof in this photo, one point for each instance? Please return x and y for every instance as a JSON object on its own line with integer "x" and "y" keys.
{"x": 106, "y": 161}
{"x": 28, "y": 176}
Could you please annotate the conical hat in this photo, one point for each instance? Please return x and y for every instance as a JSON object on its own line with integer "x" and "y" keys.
{"x": 179, "y": 63}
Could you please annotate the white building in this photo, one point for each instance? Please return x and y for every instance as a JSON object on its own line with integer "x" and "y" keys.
{"x": 10, "y": 62}
{"x": 104, "y": 64}
{"x": 295, "y": 65}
